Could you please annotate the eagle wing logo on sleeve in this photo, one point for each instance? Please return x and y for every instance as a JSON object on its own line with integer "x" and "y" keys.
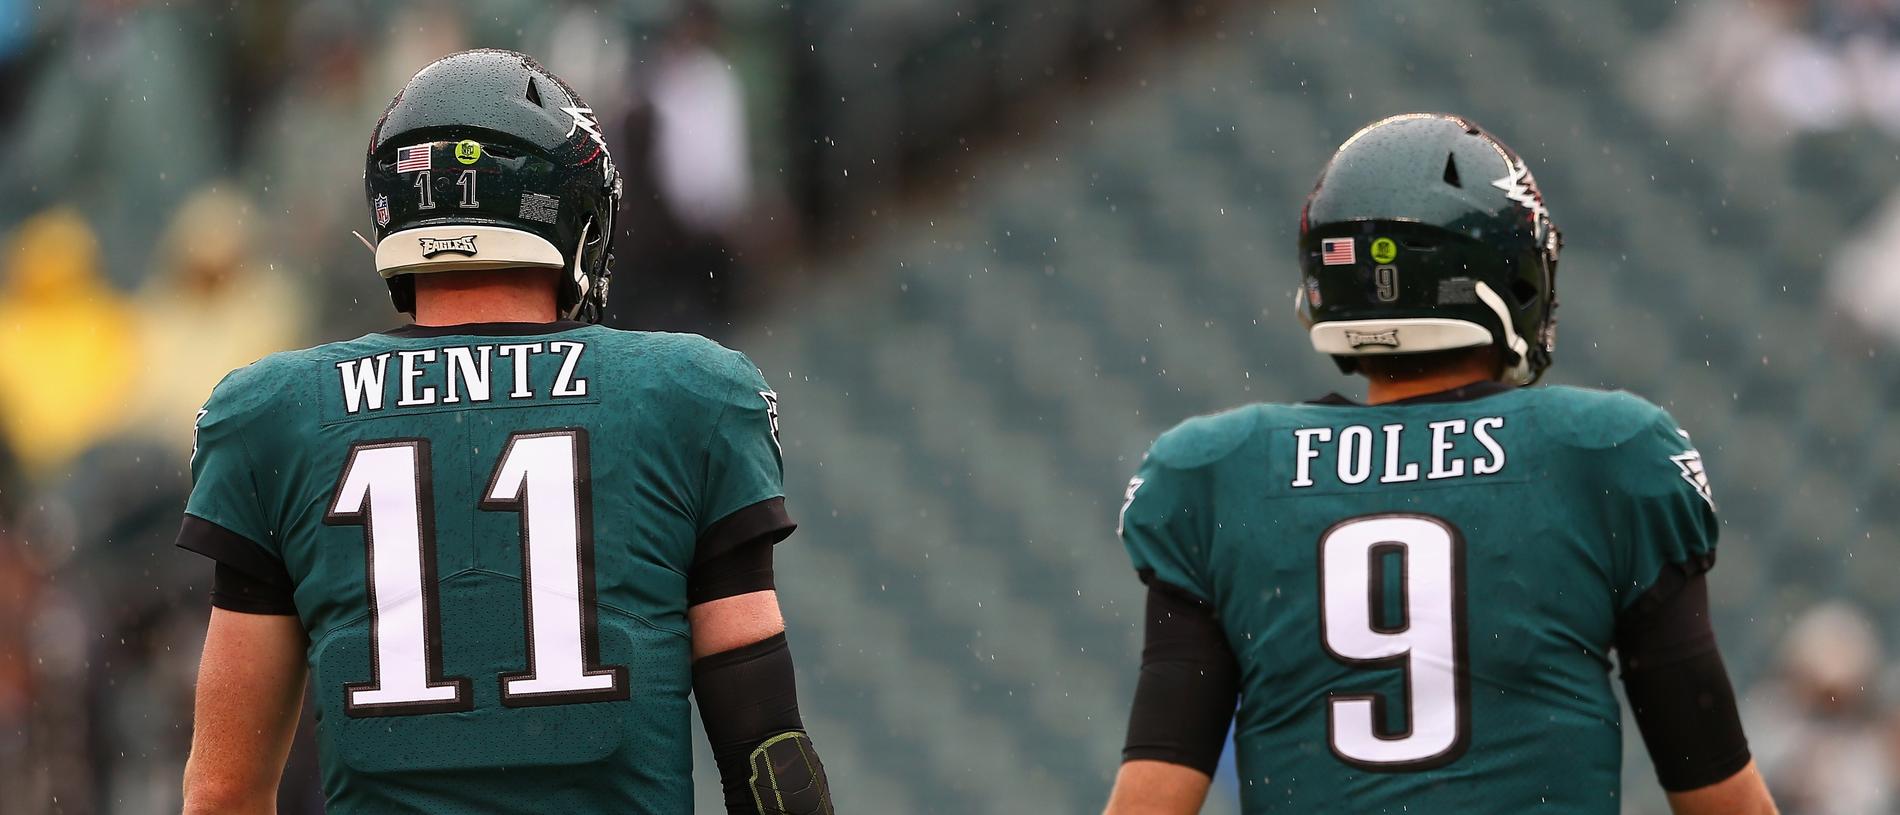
{"x": 195, "y": 422}
{"x": 1128, "y": 500}
{"x": 1690, "y": 463}
{"x": 771, "y": 413}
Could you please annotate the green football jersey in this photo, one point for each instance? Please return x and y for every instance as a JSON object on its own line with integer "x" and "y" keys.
{"x": 489, "y": 529}
{"x": 1423, "y": 596}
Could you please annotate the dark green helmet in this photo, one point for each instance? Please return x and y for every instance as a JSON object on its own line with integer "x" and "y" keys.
{"x": 486, "y": 160}
{"x": 1426, "y": 233}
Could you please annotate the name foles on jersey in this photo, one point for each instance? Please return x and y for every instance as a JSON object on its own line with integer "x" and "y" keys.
{"x": 1353, "y": 451}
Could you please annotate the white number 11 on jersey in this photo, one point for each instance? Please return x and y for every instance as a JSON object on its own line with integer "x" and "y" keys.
{"x": 386, "y": 488}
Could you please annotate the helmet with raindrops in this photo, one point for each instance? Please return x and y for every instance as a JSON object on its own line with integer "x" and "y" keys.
{"x": 485, "y": 160}
{"x": 1425, "y": 233}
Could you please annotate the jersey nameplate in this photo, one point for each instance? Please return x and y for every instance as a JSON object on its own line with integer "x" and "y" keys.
{"x": 1331, "y": 457}
{"x": 457, "y": 376}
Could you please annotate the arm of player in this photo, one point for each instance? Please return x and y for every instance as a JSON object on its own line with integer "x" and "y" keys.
{"x": 1743, "y": 793}
{"x": 1683, "y": 703}
{"x": 250, "y": 692}
{"x": 1673, "y": 676}
{"x": 1157, "y": 788}
{"x": 748, "y": 698}
{"x": 742, "y": 669}
{"x": 1184, "y": 702}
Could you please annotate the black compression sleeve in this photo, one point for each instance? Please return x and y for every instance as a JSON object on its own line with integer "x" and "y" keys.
{"x": 1189, "y": 684}
{"x": 234, "y": 589}
{"x": 1678, "y": 688}
{"x": 766, "y": 520}
{"x": 747, "y": 696}
{"x": 743, "y": 570}
{"x": 246, "y": 579}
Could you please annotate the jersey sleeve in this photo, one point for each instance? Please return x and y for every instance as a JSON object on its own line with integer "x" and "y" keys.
{"x": 225, "y": 518}
{"x": 1668, "y": 512}
{"x": 1166, "y": 526}
{"x": 744, "y": 495}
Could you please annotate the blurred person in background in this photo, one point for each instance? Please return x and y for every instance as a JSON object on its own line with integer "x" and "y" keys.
{"x": 125, "y": 113}
{"x": 1819, "y": 737}
{"x": 67, "y": 353}
{"x": 198, "y": 312}
{"x": 49, "y": 749}
{"x": 18, "y": 25}
{"x": 689, "y": 185}
{"x": 1775, "y": 69}
{"x": 1726, "y": 59}
{"x": 590, "y": 47}
{"x": 23, "y": 753}
{"x": 307, "y": 147}
{"x": 1863, "y": 278}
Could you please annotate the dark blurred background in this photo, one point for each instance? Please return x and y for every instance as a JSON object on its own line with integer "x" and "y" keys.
{"x": 986, "y": 251}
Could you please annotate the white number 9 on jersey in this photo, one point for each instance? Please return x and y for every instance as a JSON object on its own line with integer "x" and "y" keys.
{"x": 1427, "y": 643}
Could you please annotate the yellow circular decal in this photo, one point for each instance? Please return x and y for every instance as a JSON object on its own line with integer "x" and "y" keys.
{"x": 468, "y": 151}
{"x": 1384, "y": 250}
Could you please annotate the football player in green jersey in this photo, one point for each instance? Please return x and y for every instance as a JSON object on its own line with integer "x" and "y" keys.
{"x": 501, "y": 545}
{"x": 1412, "y": 602}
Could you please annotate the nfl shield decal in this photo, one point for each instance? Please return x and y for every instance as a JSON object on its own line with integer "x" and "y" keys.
{"x": 382, "y": 210}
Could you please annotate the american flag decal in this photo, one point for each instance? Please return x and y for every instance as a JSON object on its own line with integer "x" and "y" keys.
{"x": 413, "y": 158}
{"x": 1337, "y": 252}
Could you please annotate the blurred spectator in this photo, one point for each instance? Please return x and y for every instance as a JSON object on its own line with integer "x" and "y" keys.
{"x": 1722, "y": 58}
{"x": 699, "y": 146}
{"x": 308, "y": 172}
{"x": 65, "y": 343}
{"x": 19, "y": 596}
{"x": 43, "y": 720}
{"x": 1863, "y": 277}
{"x": 589, "y": 47}
{"x": 132, "y": 635}
{"x": 1775, "y": 68}
{"x": 688, "y": 177}
{"x": 123, "y": 117}
{"x": 1813, "y": 728}
{"x": 209, "y": 307}
{"x": 18, "y": 22}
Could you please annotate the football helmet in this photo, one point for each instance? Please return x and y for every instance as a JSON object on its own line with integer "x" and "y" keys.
{"x": 485, "y": 160}
{"x": 1426, "y": 233}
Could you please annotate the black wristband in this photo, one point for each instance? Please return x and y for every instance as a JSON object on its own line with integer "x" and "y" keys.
{"x": 1190, "y": 682}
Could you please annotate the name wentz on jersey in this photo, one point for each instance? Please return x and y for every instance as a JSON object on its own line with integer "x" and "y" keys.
{"x": 1423, "y": 596}
{"x": 466, "y": 371}
{"x": 489, "y": 530}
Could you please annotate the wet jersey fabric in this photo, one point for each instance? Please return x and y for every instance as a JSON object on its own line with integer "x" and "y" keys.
{"x": 489, "y": 530}
{"x": 1423, "y": 596}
